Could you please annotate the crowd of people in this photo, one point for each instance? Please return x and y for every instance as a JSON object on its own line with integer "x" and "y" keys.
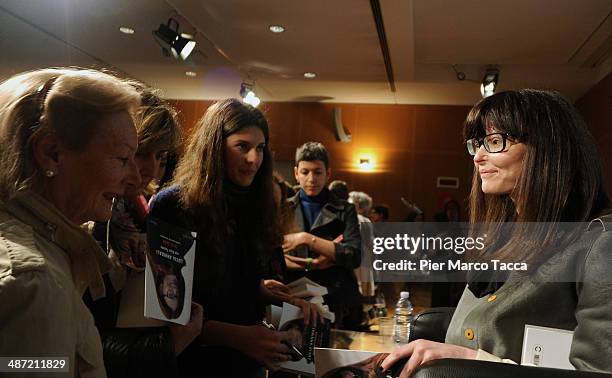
{"x": 89, "y": 157}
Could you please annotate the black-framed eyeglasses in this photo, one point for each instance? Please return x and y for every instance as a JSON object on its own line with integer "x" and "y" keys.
{"x": 493, "y": 143}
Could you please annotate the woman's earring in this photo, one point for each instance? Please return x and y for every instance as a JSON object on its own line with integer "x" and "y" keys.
{"x": 49, "y": 173}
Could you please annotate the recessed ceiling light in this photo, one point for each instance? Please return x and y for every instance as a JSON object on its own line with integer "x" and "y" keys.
{"x": 277, "y": 28}
{"x": 191, "y": 74}
{"x": 187, "y": 35}
{"x": 310, "y": 75}
{"x": 126, "y": 30}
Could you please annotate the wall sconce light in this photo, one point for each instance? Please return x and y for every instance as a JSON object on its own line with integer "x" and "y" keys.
{"x": 248, "y": 95}
{"x": 489, "y": 82}
{"x": 178, "y": 44}
{"x": 366, "y": 164}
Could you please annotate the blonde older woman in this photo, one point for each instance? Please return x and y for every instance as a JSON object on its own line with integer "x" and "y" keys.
{"x": 68, "y": 144}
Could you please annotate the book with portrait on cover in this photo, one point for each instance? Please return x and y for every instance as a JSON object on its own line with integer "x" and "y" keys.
{"x": 169, "y": 271}
{"x": 304, "y": 339}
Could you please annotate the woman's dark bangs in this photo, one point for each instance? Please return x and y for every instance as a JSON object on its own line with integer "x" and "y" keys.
{"x": 475, "y": 123}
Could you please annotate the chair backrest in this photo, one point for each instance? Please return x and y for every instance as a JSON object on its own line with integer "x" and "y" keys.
{"x": 431, "y": 324}
{"x": 447, "y": 368}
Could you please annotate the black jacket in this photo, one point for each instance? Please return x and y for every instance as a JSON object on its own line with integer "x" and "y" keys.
{"x": 225, "y": 282}
{"x": 337, "y": 217}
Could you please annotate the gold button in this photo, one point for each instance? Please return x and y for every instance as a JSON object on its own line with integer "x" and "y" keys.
{"x": 492, "y": 297}
{"x": 469, "y": 334}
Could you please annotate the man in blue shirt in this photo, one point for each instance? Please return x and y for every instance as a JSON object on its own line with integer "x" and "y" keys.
{"x": 327, "y": 246}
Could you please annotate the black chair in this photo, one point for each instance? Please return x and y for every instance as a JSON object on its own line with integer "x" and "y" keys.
{"x": 483, "y": 369}
{"x": 432, "y": 325}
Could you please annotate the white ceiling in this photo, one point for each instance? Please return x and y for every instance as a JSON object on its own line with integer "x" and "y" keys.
{"x": 559, "y": 44}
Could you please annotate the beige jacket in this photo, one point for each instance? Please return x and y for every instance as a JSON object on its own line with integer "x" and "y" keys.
{"x": 41, "y": 310}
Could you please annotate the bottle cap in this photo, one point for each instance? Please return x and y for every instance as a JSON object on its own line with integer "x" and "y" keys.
{"x": 404, "y": 294}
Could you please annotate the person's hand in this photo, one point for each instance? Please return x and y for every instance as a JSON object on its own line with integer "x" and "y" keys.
{"x": 183, "y": 335}
{"x": 265, "y": 346}
{"x": 312, "y": 314}
{"x": 421, "y": 351}
{"x": 322, "y": 262}
{"x": 276, "y": 287}
{"x": 302, "y": 263}
{"x": 295, "y": 263}
{"x": 292, "y": 241}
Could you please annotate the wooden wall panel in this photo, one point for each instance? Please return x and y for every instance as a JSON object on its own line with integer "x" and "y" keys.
{"x": 284, "y": 122}
{"x": 596, "y": 108}
{"x": 189, "y": 112}
{"x": 412, "y": 146}
{"x": 439, "y": 129}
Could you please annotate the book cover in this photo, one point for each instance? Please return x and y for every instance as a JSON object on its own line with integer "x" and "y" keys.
{"x": 340, "y": 363}
{"x": 169, "y": 272}
{"x": 315, "y": 300}
{"x": 306, "y": 288}
{"x": 302, "y": 281}
{"x": 304, "y": 338}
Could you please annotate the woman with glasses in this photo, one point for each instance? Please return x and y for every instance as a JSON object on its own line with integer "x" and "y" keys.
{"x": 68, "y": 143}
{"x": 535, "y": 169}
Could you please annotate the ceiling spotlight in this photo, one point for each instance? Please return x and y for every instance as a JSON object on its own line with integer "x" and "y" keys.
{"x": 277, "y": 28}
{"x": 126, "y": 30}
{"x": 191, "y": 74}
{"x": 178, "y": 45}
{"x": 248, "y": 95}
{"x": 310, "y": 75}
{"x": 489, "y": 82}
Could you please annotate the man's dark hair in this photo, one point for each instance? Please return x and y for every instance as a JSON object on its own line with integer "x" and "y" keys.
{"x": 382, "y": 210}
{"x": 340, "y": 189}
{"x": 311, "y": 151}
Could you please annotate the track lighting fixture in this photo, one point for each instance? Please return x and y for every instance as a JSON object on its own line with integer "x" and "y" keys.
{"x": 248, "y": 95}
{"x": 173, "y": 41}
{"x": 489, "y": 81}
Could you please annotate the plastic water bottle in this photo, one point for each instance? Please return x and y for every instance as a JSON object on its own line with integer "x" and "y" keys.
{"x": 402, "y": 318}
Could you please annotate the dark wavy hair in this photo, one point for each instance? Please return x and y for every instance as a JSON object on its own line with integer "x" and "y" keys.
{"x": 201, "y": 172}
{"x": 561, "y": 178}
{"x": 311, "y": 151}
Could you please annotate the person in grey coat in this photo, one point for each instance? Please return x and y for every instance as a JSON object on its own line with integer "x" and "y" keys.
{"x": 534, "y": 161}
